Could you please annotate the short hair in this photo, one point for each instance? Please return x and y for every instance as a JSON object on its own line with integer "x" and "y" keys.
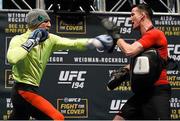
{"x": 144, "y": 7}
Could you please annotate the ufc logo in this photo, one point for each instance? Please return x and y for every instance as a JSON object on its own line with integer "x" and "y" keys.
{"x": 117, "y": 104}
{"x": 121, "y": 21}
{"x": 72, "y": 100}
{"x": 174, "y": 48}
{"x": 70, "y": 75}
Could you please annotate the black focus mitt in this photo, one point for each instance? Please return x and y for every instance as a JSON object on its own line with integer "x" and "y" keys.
{"x": 112, "y": 30}
{"x": 117, "y": 77}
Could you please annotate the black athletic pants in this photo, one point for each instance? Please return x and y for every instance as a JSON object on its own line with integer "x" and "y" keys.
{"x": 27, "y": 102}
{"x": 152, "y": 105}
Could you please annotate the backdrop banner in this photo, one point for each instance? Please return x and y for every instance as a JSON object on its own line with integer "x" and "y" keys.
{"x": 76, "y": 82}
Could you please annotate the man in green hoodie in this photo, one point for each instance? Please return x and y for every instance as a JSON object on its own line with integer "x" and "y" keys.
{"x": 29, "y": 53}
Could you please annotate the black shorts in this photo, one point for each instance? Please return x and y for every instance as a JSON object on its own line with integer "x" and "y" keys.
{"x": 152, "y": 105}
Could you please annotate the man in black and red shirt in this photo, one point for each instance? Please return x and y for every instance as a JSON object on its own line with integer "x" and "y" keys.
{"x": 152, "y": 103}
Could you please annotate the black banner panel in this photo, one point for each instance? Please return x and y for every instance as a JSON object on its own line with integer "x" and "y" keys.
{"x": 76, "y": 82}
